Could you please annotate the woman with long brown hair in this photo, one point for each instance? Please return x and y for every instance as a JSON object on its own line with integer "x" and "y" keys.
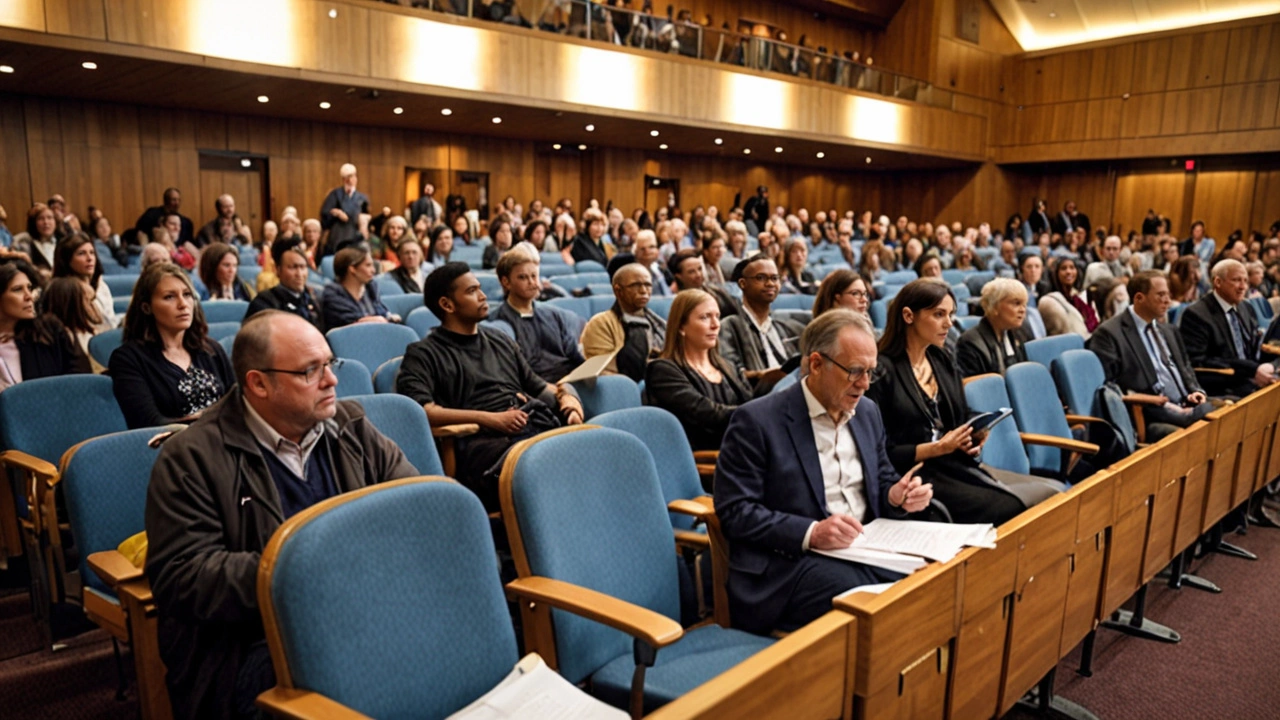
{"x": 31, "y": 345}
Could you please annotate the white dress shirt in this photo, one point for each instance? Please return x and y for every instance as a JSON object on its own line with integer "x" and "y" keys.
{"x": 842, "y": 479}
{"x": 770, "y": 338}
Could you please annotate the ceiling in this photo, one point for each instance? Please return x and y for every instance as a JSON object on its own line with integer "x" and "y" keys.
{"x": 56, "y": 72}
{"x": 1045, "y": 24}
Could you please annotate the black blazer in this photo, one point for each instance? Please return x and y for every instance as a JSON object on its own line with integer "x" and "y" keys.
{"x": 979, "y": 352}
{"x": 280, "y": 298}
{"x": 1119, "y": 345}
{"x": 406, "y": 283}
{"x": 61, "y": 357}
{"x": 895, "y": 387}
{"x": 1207, "y": 333}
{"x": 685, "y": 393}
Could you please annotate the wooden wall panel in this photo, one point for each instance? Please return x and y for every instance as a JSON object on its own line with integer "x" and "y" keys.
{"x": 1161, "y": 191}
{"x": 1224, "y": 200}
{"x": 1266, "y": 200}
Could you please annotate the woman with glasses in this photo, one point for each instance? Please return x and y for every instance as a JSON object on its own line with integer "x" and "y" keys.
{"x": 167, "y": 370}
{"x": 845, "y": 289}
{"x": 919, "y": 386}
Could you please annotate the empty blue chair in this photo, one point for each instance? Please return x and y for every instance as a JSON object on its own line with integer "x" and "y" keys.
{"x": 381, "y": 561}
{"x": 552, "y": 258}
{"x": 221, "y": 330}
{"x": 403, "y": 304}
{"x": 1004, "y": 448}
{"x": 662, "y": 433}
{"x": 249, "y": 273}
{"x": 104, "y": 343}
{"x": 121, "y": 285}
{"x": 787, "y": 381}
{"x": 900, "y": 277}
{"x": 954, "y": 277}
{"x": 1045, "y": 350}
{"x": 388, "y": 287}
{"x": 384, "y": 377}
{"x": 1036, "y": 407}
{"x": 228, "y": 343}
{"x": 581, "y": 280}
{"x": 967, "y": 321}
{"x": 353, "y": 379}
{"x": 1036, "y": 322}
{"x": 588, "y": 266}
{"x": 491, "y": 286}
{"x": 607, "y": 393}
{"x": 472, "y": 255}
{"x": 405, "y": 423}
{"x": 976, "y": 281}
{"x": 224, "y": 310}
{"x": 585, "y": 506}
{"x": 793, "y": 302}
{"x": 600, "y": 303}
{"x": 661, "y": 305}
{"x": 556, "y": 270}
{"x": 421, "y": 320}
{"x": 879, "y": 311}
{"x": 962, "y": 299}
{"x": 371, "y": 344}
{"x": 888, "y": 292}
{"x": 1078, "y": 375}
{"x": 1261, "y": 310}
{"x": 579, "y": 306}
{"x": 121, "y": 304}
{"x": 326, "y": 267}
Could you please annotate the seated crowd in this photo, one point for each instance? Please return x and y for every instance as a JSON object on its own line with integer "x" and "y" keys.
{"x": 794, "y": 397}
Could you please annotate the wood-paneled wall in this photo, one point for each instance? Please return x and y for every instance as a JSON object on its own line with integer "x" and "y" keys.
{"x": 1210, "y": 91}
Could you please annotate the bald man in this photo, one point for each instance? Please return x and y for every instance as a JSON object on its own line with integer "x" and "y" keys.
{"x": 225, "y": 207}
{"x": 629, "y": 327}
{"x": 219, "y": 489}
{"x": 344, "y": 214}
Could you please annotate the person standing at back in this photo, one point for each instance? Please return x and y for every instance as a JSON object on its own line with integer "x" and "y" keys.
{"x": 344, "y": 213}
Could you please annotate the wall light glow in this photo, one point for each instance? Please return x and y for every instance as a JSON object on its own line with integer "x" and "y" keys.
{"x": 874, "y": 120}
{"x": 467, "y": 68}
{"x": 756, "y": 101}
{"x": 249, "y": 30}
{"x": 603, "y": 77}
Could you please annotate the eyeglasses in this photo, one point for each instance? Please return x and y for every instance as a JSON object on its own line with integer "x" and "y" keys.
{"x": 855, "y": 374}
{"x": 310, "y": 374}
{"x": 638, "y": 286}
{"x": 766, "y": 279}
{"x": 858, "y": 294}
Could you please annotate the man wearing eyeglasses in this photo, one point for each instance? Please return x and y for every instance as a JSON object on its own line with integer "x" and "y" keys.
{"x": 754, "y": 341}
{"x": 629, "y": 327}
{"x": 220, "y": 488}
{"x": 802, "y": 470}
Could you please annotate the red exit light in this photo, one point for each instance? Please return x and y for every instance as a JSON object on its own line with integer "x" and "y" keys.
{"x": 1191, "y": 165}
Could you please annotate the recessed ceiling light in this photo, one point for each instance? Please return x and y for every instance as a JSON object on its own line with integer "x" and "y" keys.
{"x": 653, "y": 133}
{"x": 582, "y": 147}
{"x": 245, "y": 162}
{"x": 821, "y": 155}
{"x": 6, "y": 69}
{"x": 89, "y": 65}
{"x": 778, "y": 149}
{"x": 868, "y": 159}
{"x": 656, "y": 181}
{"x": 591, "y": 128}
{"x": 263, "y": 98}
{"x": 663, "y": 146}
{"x": 497, "y": 120}
{"x": 556, "y": 146}
{"x": 719, "y": 141}
{"x": 398, "y": 111}
{"x": 1053, "y": 14}
{"x": 746, "y": 151}
{"x": 324, "y": 105}
{"x": 446, "y": 111}
{"x": 333, "y": 13}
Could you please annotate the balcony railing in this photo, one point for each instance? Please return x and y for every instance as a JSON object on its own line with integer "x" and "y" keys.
{"x": 614, "y": 25}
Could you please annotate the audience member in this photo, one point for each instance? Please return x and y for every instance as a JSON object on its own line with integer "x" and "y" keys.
{"x": 1108, "y": 297}
{"x": 441, "y": 246}
{"x": 1220, "y": 331}
{"x": 31, "y": 345}
{"x": 646, "y": 247}
{"x": 1066, "y": 309}
{"x": 690, "y": 379}
{"x": 425, "y": 207}
{"x": 311, "y": 232}
{"x": 465, "y": 373}
{"x": 1185, "y": 279}
{"x": 796, "y": 279}
{"x": 629, "y": 328}
{"x": 71, "y": 302}
{"x": 1070, "y": 220}
{"x": 395, "y": 231}
{"x": 219, "y": 266}
{"x": 501, "y": 237}
{"x": 802, "y": 470}
{"x": 547, "y": 337}
{"x": 1031, "y": 273}
{"x": 167, "y": 369}
{"x": 224, "y": 227}
{"x": 344, "y": 213}
{"x": 1109, "y": 265}
{"x": 1199, "y": 244}
{"x": 291, "y": 294}
{"x": 412, "y": 273}
{"x": 755, "y": 342}
{"x": 76, "y": 257}
{"x": 40, "y": 241}
{"x": 153, "y": 253}
{"x": 589, "y": 244}
{"x": 712, "y": 255}
{"x": 155, "y": 216}
{"x": 921, "y": 383}
{"x": 354, "y": 298}
{"x": 995, "y": 343}
{"x": 929, "y": 265}
{"x": 219, "y": 490}
{"x": 845, "y": 289}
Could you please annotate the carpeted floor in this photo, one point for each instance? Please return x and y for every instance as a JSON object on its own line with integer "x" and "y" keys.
{"x": 1226, "y": 667}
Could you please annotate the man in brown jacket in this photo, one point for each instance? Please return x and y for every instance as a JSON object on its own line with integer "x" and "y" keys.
{"x": 278, "y": 443}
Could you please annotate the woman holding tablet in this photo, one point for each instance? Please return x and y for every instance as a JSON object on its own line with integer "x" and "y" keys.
{"x": 919, "y": 383}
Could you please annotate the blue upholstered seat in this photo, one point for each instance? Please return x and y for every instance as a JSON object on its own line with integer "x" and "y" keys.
{"x": 606, "y": 393}
{"x": 371, "y": 343}
{"x": 219, "y": 330}
{"x": 663, "y": 435}
{"x": 879, "y": 312}
{"x": 353, "y": 379}
{"x": 1034, "y": 400}
{"x": 384, "y": 377}
{"x": 585, "y": 506}
{"x": 405, "y": 423}
{"x": 1003, "y": 448}
{"x": 216, "y": 311}
{"x": 579, "y": 306}
{"x": 900, "y": 277}
{"x": 385, "y": 611}
{"x": 661, "y": 305}
{"x": 793, "y": 302}
{"x": 402, "y": 304}
{"x": 588, "y": 266}
{"x": 104, "y": 343}
{"x": 1079, "y": 374}
{"x": 1036, "y": 323}
{"x": 121, "y": 285}
{"x": 421, "y": 320}
{"x": 1045, "y": 350}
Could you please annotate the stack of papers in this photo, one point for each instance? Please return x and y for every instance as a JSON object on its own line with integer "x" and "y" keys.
{"x": 906, "y": 545}
{"x": 534, "y": 691}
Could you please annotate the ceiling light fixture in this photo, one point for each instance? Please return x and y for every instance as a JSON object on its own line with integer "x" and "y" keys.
{"x": 446, "y": 112}
{"x": 653, "y": 133}
{"x": 263, "y": 98}
{"x": 398, "y": 111}
{"x": 719, "y": 141}
{"x": 663, "y": 146}
{"x": 333, "y": 13}
{"x": 582, "y": 147}
{"x": 591, "y": 128}
{"x": 556, "y": 146}
{"x": 89, "y": 65}
{"x": 746, "y": 151}
{"x": 497, "y": 121}
{"x": 245, "y": 162}
{"x": 821, "y": 155}
{"x": 6, "y": 69}
{"x": 868, "y": 160}
{"x": 324, "y": 105}
{"x": 778, "y": 149}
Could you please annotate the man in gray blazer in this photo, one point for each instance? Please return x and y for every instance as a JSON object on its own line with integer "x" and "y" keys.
{"x": 754, "y": 341}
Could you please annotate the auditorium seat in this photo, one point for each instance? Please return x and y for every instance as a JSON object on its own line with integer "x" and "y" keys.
{"x": 405, "y": 424}
{"x": 1035, "y": 323}
{"x": 1079, "y": 375}
{"x": 388, "y": 287}
{"x": 584, "y": 267}
{"x": 565, "y": 495}
{"x": 224, "y": 310}
{"x": 228, "y": 342}
{"x": 792, "y": 301}
{"x": 661, "y": 305}
{"x": 326, "y": 267}
{"x": 977, "y": 280}
{"x": 606, "y": 393}
{"x": 1046, "y": 350}
{"x": 403, "y": 304}
{"x": 1040, "y": 416}
{"x": 384, "y": 376}
{"x": 104, "y": 343}
{"x": 218, "y": 331}
{"x": 501, "y": 326}
{"x": 900, "y": 277}
{"x": 421, "y": 320}
{"x": 353, "y": 379}
{"x": 879, "y": 311}
{"x": 121, "y": 285}
{"x": 579, "y": 306}
{"x": 370, "y": 344}
{"x": 581, "y": 280}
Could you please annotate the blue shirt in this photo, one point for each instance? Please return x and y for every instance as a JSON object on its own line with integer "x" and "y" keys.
{"x": 1167, "y": 383}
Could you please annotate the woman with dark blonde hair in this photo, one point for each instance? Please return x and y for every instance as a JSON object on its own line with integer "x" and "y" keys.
{"x": 796, "y": 280}
{"x": 71, "y": 302}
{"x": 219, "y": 266}
{"x": 690, "y": 379}
{"x": 168, "y": 369}
{"x": 78, "y": 258}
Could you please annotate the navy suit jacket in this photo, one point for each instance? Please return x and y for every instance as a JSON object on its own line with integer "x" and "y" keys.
{"x": 769, "y": 489}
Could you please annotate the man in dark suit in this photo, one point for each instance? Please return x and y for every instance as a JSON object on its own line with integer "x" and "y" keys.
{"x": 801, "y": 470}
{"x": 292, "y": 294}
{"x": 1221, "y": 332}
{"x": 1144, "y": 355}
{"x": 1070, "y": 220}
{"x": 155, "y": 216}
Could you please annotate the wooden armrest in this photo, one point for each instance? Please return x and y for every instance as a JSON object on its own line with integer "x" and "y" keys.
{"x": 1273, "y": 348}
{"x": 139, "y": 589}
{"x": 706, "y": 456}
{"x": 1215, "y": 371}
{"x": 1060, "y": 443}
{"x": 304, "y": 705}
{"x": 113, "y": 567}
{"x": 693, "y": 540}
{"x": 701, "y": 507}
{"x": 1074, "y": 419}
{"x": 657, "y": 630}
{"x": 459, "y": 430}
{"x": 30, "y": 463}
{"x": 1144, "y": 399}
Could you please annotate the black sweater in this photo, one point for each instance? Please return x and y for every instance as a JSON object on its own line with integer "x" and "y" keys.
{"x": 150, "y": 389}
